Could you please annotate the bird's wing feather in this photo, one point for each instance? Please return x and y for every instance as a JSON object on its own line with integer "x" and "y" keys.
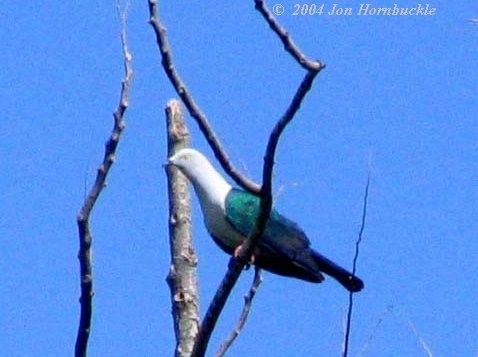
{"x": 281, "y": 235}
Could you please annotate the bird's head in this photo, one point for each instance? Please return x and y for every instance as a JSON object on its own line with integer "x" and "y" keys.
{"x": 189, "y": 161}
{"x": 207, "y": 182}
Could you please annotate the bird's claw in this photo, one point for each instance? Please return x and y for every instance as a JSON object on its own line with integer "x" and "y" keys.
{"x": 237, "y": 251}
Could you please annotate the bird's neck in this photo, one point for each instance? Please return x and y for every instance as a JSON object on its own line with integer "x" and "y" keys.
{"x": 210, "y": 187}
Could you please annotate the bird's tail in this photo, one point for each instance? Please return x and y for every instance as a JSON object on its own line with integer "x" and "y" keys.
{"x": 344, "y": 277}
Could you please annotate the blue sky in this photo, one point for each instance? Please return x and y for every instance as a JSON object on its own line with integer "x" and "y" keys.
{"x": 398, "y": 96}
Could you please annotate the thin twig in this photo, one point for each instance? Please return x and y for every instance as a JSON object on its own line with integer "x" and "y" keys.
{"x": 422, "y": 341}
{"x": 403, "y": 315}
{"x": 84, "y": 254}
{"x": 289, "y": 45}
{"x": 182, "y": 279}
{"x": 399, "y": 314}
{"x": 244, "y": 314}
{"x": 191, "y": 105}
{"x": 354, "y": 268}
{"x": 375, "y": 330}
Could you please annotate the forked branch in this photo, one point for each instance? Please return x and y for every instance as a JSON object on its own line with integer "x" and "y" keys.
{"x": 191, "y": 105}
{"x": 236, "y": 265}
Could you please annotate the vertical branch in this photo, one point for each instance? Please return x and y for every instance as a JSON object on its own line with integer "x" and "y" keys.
{"x": 182, "y": 278}
{"x": 85, "y": 237}
{"x": 354, "y": 268}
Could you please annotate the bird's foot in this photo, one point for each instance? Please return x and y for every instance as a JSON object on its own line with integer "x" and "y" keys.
{"x": 237, "y": 251}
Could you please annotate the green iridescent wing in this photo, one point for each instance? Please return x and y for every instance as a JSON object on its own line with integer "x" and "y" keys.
{"x": 281, "y": 235}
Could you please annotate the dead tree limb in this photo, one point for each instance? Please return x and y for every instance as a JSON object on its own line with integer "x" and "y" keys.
{"x": 182, "y": 279}
{"x": 85, "y": 237}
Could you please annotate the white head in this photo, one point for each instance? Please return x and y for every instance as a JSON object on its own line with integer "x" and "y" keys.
{"x": 207, "y": 182}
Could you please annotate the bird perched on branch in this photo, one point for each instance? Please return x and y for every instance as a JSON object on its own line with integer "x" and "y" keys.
{"x": 230, "y": 214}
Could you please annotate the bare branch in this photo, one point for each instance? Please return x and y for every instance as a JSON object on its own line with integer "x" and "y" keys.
{"x": 289, "y": 45}
{"x": 354, "y": 268}
{"x": 182, "y": 279}
{"x": 84, "y": 254}
{"x": 191, "y": 105}
{"x": 294, "y": 106}
{"x": 244, "y": 315}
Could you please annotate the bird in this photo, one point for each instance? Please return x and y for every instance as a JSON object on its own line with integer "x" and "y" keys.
{"x": 230, "y": 214}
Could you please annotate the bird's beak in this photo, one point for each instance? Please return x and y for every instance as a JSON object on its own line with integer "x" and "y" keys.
{"x": 167, "y": 163}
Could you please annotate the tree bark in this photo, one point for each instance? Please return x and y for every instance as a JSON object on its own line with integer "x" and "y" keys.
{"x": 182, "y": 278}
